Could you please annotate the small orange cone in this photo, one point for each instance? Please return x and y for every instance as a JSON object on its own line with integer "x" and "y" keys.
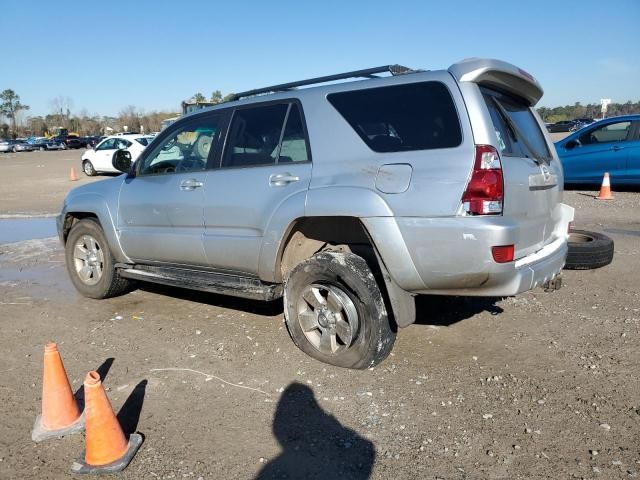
{"x": 605, "y": 189}
{"x": 107, "y": 449}
{"x": 60, "y": 413}
{"x": 72, "y": 175}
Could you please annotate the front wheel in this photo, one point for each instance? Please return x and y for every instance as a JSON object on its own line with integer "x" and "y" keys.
{"x": 87, "y": 168}
{"x": 335, "y": 311}
{"x": 90, "y": 263}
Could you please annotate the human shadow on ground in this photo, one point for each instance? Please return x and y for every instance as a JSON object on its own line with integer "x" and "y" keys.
{"x": 444, "y": 311}
{"x": 129, "y": 414}
{"x": 102, "y": 370}
{"x": 314, "y": 444}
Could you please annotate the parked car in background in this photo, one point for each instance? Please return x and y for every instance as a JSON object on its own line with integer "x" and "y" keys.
{"x": 16, "y": 146}
{"x": 5, "y": 146}
{"x": 563, "y": 126}
{"x": 583, "y": 122}
{"x": 98, "y": 160}
{"x": 90, "y": 141}
{"x": 610, "y": 145}
{"x": 73, "y": 141}
{"x": 43, "y": 143}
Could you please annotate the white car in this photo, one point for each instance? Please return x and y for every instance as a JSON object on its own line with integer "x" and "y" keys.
{"x": 98, "y": 159}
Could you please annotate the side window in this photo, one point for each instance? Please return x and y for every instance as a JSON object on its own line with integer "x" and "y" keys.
{"x": 254, "y": 136}
{"x": 613, "y": 132}
{"x": 186, "y": 148}
{"x": 109, "y": 144}
{"x": 294, "y": 142}
{"x": 121, "y": 143}
{"x": 415, "y": 116}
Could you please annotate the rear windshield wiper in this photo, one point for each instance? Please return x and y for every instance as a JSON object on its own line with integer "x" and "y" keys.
{"x": 535, "y": 155}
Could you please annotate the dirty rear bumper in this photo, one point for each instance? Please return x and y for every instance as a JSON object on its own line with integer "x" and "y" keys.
{"x": 514, "y": 278}
{"x": 452, "y": 255}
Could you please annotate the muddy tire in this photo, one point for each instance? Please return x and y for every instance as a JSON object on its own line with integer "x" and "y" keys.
{"x": 335, "y": 311}
{"x": 588, "y": 250}
{"x": 90, "y": 264}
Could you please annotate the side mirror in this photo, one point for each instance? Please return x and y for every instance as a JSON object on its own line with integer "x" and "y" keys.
{"x": 122, "y": 161}
{"x": 572, "y": 144}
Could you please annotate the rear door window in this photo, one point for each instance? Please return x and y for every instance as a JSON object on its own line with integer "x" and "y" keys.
{"x": 510, "y": 141}
{"x": 414, "y": 116}
{"x": 254, "y": 136}
{"x": 294, "y": 142}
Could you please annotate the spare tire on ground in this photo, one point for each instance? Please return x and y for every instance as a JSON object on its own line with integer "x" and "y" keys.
{"x": 588, "y": 250}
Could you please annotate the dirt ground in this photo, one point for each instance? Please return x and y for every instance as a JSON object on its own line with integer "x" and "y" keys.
{"x": 543, "y": 385}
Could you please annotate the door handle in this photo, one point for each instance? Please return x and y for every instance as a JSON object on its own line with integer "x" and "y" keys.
{"x": 282, "y": 179}
{"x": 615, "y": 148}
{"x": 190, "y": 184}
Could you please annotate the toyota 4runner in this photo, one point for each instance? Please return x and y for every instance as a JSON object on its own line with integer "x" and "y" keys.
{"x": 348, "y": 199}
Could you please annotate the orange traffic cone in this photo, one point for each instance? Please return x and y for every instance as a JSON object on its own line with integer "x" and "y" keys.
{"x": 72, "y": 175}
{"x": 605, "y": 189}
{"x": 60, "y": 413}
{"x": 107, "y": 449}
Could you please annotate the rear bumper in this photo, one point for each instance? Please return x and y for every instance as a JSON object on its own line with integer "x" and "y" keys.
{"x": 452, "y": 256}
{"x": 516, "y": 278}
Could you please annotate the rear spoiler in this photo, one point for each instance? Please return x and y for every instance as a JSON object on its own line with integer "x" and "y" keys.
{"x": 498, "y": 74}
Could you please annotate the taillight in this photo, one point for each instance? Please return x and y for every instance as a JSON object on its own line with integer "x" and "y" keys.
{"x": 503, "y": 253}
{"x": 485, "y": 191}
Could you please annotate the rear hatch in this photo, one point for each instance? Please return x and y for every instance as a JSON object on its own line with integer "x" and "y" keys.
{"x": 531, "y": 177}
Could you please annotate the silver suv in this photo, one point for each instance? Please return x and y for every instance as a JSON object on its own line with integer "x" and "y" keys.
{"x": 347, "y": 199}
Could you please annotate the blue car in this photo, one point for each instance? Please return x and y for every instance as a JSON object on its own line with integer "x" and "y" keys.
{"x": 610, "y": 145}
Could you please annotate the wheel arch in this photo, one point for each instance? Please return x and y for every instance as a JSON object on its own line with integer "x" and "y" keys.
{"x": 90, "y": 205}
{"x": 307, "y": 236}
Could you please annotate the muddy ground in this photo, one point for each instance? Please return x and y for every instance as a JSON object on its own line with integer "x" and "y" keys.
{"x": 543, "y": 385}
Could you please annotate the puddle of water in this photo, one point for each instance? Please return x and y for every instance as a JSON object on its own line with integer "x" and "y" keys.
{"x": 20, "y": 229}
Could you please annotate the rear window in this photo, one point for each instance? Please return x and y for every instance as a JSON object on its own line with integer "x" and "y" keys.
{"x": 510, "y": 140}
{"x": 416, "y": 116}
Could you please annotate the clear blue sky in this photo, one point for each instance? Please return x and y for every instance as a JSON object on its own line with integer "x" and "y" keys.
{"x": 153, "y": 54}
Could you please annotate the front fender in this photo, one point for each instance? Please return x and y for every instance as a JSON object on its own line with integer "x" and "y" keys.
{"x": 96, "y": 204}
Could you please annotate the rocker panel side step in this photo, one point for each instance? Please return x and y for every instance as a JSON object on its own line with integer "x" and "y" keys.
{"x": 220, "y": 283}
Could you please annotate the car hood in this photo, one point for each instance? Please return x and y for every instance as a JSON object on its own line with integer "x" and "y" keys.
{"x": 107, "y": 188}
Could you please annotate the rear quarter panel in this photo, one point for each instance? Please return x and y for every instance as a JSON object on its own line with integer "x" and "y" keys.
{"x": 341, "y": 159}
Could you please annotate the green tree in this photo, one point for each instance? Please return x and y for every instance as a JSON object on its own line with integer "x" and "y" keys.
{"x": 10, "y": 106}
{"x": 216, "y": 96}
{"x": 198, "y": 97}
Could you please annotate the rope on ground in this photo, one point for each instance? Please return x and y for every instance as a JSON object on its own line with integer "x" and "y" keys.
{"x": 208, "y": 375}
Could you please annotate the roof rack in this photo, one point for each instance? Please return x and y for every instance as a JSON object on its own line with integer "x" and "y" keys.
{"x": 366, "y": 73}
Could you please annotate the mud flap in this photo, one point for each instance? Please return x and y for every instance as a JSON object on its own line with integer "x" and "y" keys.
{"x": 402, "y": 302}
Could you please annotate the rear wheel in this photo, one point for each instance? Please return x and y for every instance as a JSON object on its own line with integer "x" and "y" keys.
{"x": 87, "y": 168}
{"x": 90, "y": 263}
{"x": 335, "y": 311}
